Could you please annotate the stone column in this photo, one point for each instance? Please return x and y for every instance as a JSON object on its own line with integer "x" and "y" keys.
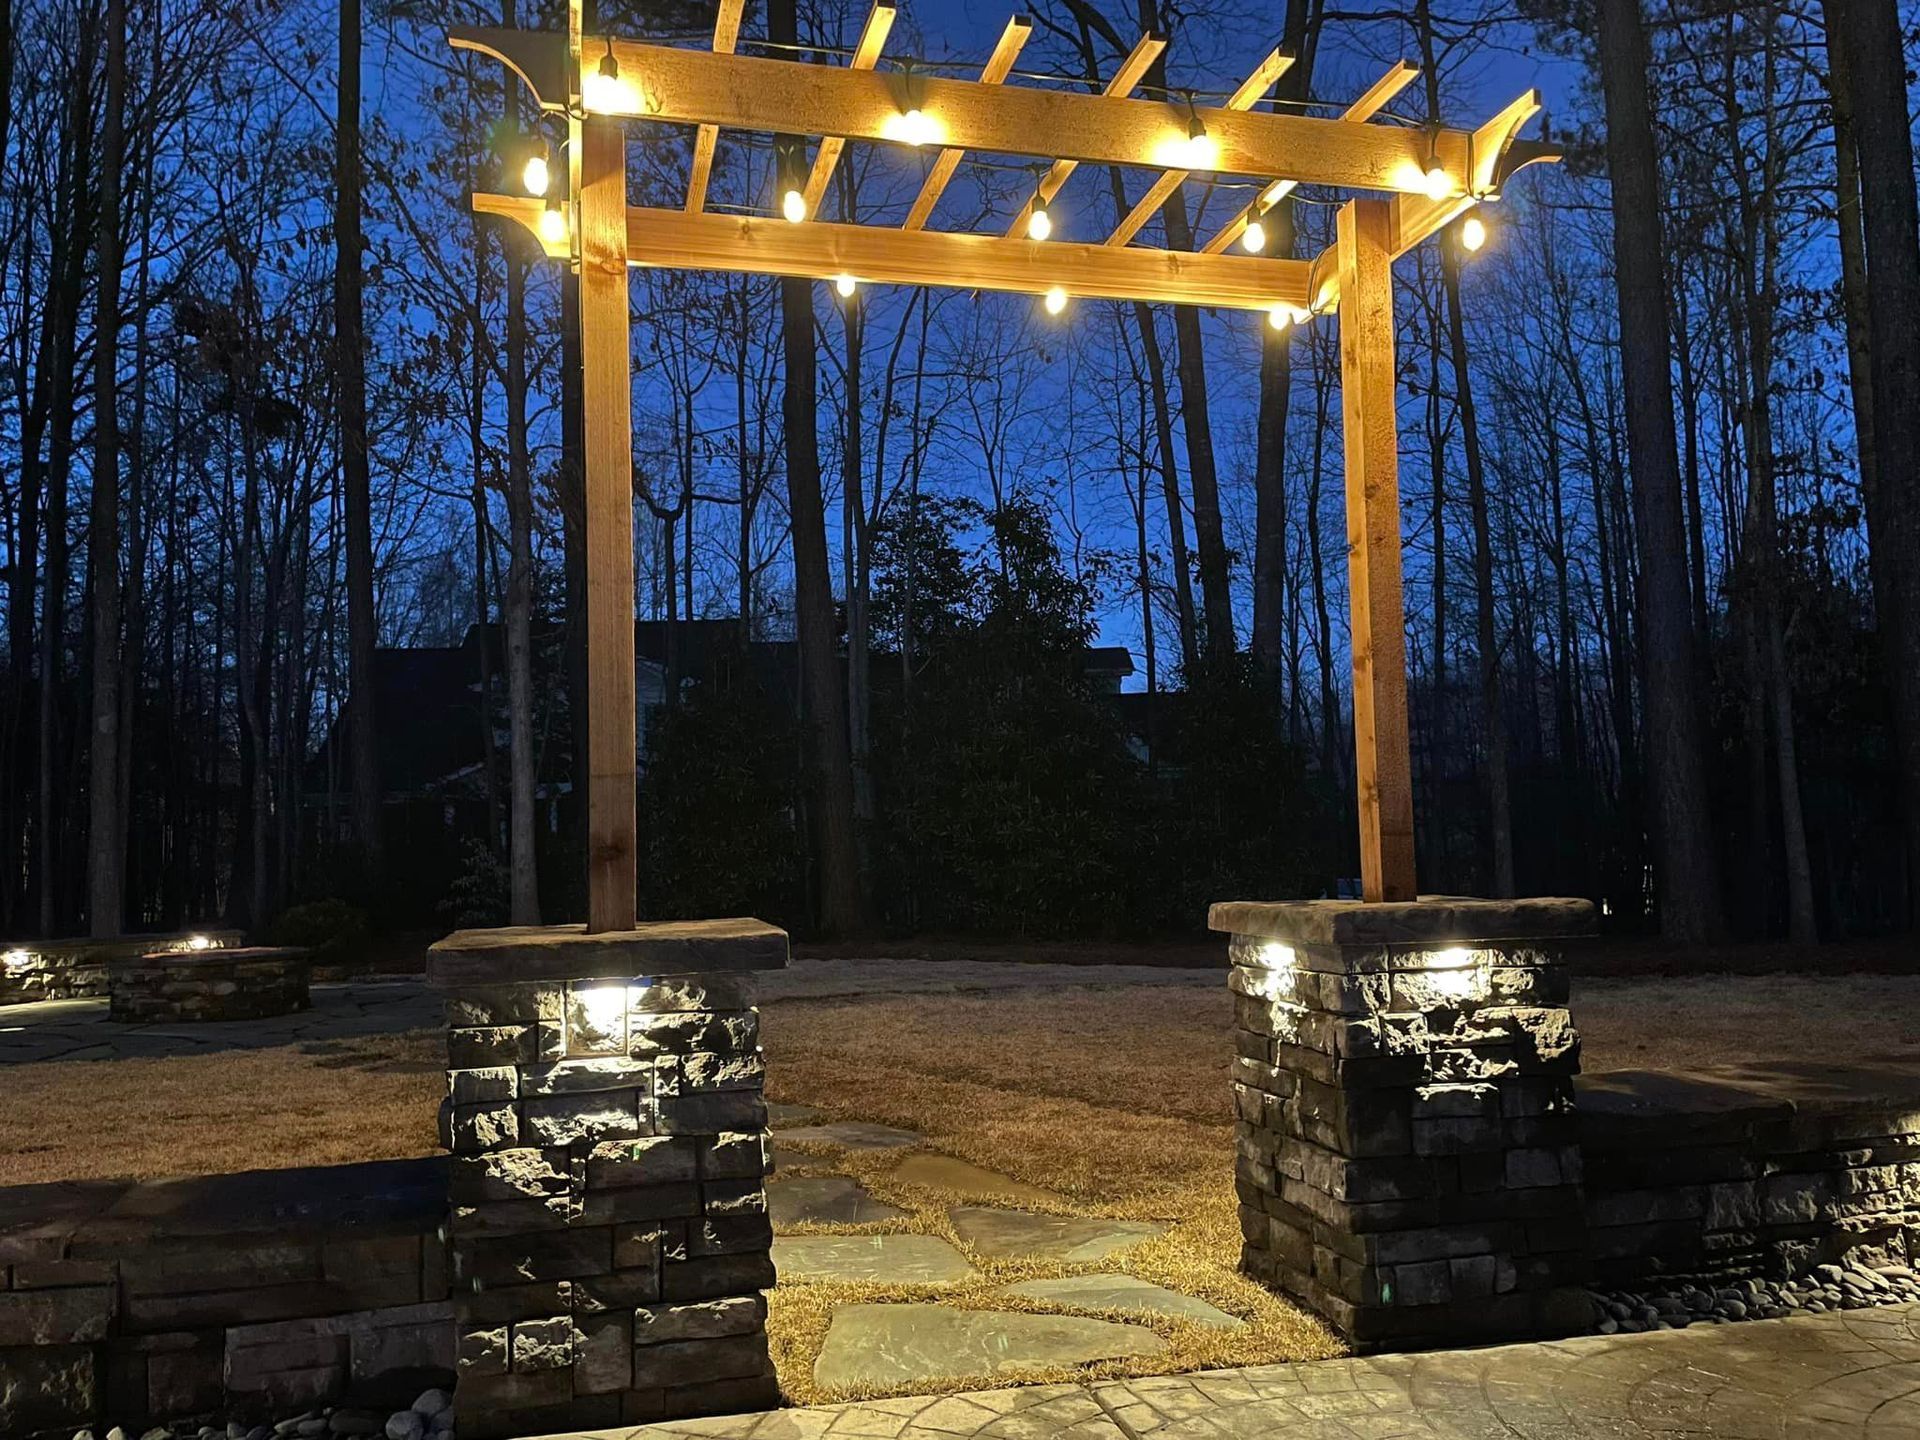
{"x": 1407, "y": 1159}
{"x": 608, "y": 1230}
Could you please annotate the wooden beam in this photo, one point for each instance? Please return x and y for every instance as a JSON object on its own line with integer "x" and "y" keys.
{"x": 726, "y": 34}
{"x": 880, "y": 255}
{"x": 1147, "y": 49}
{"x": 866, "y": 54}
{"x": 1382, "y": 749}
{"x": 1251, "y": 90}
{"x": 607, "y": 415}
{"x": 1415, "y": 217}
{"x": 1377, "y": 97}
{"x": 1012, "y": 39}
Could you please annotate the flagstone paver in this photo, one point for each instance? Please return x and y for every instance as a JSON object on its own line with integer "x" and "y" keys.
{"x": 824, "y": 1200}
{"x": 970, "y": 1181}
{"x": 1023, "y": 1234}
{"x": 1125, "y": 1292}
{"x": 852, "y": 1135}
{"x": 905, "y": 1344}
{"x": 1845, "y": 1375}
{"x": 879, "y": 1259}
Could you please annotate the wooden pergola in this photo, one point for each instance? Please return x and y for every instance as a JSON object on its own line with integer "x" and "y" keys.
{"x": 1420, "y": 179}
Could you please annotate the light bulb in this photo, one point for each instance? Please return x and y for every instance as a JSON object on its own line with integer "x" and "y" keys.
{"x": 1437, "y": 183}
{"x": 1254, "y": 237}
{"x": 535, "y": 176}
{"x": 793, "y": 205}
{"x": 1202, "y": 152}
{"x": 1056, "y": 300}
{"x": 1280, "y": 316}
{"x": 1039, "y": 223}
{"x": 1473, "y": 233}
{"x": 553, "y": 225}
{"x": 846, "y": 285}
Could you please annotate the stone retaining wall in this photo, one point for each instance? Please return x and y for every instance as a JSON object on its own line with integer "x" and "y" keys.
{"x": 253, "y": 1294}
{"x": 75, "y": 969}
{"x": 1707, "y": 1176}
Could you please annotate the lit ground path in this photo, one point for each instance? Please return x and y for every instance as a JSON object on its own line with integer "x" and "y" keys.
{"x": 80, "y": 1029}
{"x": 1848, "y": 1374}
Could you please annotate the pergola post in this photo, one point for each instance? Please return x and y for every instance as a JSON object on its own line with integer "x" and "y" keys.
{"x": 606, "y": 399}
{"x": 1383, "y": 760}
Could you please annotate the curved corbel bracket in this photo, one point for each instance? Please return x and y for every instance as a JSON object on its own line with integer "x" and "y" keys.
{"x": 1494, "y": 141}
{"x": 538, "y": 57}
{"x": 1522, "y": 153}
{"x": 526, "y": 214}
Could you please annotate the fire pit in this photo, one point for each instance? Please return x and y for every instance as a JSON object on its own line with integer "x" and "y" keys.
{"x": 241, "y": 984}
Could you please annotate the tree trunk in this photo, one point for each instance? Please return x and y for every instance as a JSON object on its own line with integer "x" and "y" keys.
{"x": 1299, "y": 38}
{"x": 1493, "y": 712}
{"x": 524, "y": 882}
{"x": 1688, "y": 885}
{"x": 1876, "y": 72}
{"x": 853, "y": 548}
{"x": 350, "y": 394}
{"x": 105, "y": 856}
{"x": 841, "y": 907}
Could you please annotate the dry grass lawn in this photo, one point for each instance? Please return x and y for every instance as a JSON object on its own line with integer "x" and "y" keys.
{"x": 1115, "y": 1099}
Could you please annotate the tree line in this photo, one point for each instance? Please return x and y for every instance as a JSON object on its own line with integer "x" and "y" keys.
{"x": 276, "y": 399}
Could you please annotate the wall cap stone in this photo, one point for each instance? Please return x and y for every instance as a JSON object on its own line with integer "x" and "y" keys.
{"x": 513, "y": 954}
{"x": 1432, "y": 919}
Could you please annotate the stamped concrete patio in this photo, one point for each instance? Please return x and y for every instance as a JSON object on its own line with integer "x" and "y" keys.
{"x": 1852, "y": 1374}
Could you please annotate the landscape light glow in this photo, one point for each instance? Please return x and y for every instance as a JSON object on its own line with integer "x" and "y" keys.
{"x": 601, "y": 1015}
{"x": 16, "y": 960}
{"x": 199, "y": 942}
{"x": 1451, "y": 972}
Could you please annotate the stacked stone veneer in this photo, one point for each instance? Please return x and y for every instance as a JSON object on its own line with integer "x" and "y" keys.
{"x": 609, "y": 1235}
{"x": 213, "y": 984}
{"x": 1768, "y": 1171}
{"x": 75, "y": 969}
{"x": 1408, "y": 1162}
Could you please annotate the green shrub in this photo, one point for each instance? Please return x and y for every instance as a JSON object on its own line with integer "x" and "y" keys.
{"x": 326, "y": 927}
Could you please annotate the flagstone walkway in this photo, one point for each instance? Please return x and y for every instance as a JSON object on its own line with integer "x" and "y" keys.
{"x": 1849, "y": 1373}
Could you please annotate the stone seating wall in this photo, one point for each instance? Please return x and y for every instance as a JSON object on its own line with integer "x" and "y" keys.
{"x": 253, "y": 1294}
{"x": 1715, "y": 1175}
{"x": 76, "y": 969}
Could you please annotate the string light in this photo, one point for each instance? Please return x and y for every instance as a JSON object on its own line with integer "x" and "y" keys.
{"x": 1254, "y": 237}
{"x": 1436, "y": 182}
{"x": 912, "y": 127}
{"x": 536, "y": 174}
{"x": 793, "y": 205}
{"x": 1039, "y": 222}
{"x": 1473, "y": 233}
{"x": 607, "y": 89}
{"x": 553, "y": 222}
{"x": 1056, "y": 300}
{"x": 846, "y": 285}
{"x": 1280, "y": 317}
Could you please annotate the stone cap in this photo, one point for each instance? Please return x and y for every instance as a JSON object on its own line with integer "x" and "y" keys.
{"x": 211, "y": 955}
{"x": 1432, "y": 919}
{"x": 512, "y": 954}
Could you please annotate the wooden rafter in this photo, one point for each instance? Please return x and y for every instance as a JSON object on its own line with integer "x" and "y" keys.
{"x": 726, "y": 34}
{"x": 819, "y": 250}
{"x": 1012, "y": 40}
{"x": 1147, "y": 49}
{"x": 866, "y": 54}
{"x": 1246, "y": 97}
{"x": 784, "y": 97}
{"x": 1377, "y": 97}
